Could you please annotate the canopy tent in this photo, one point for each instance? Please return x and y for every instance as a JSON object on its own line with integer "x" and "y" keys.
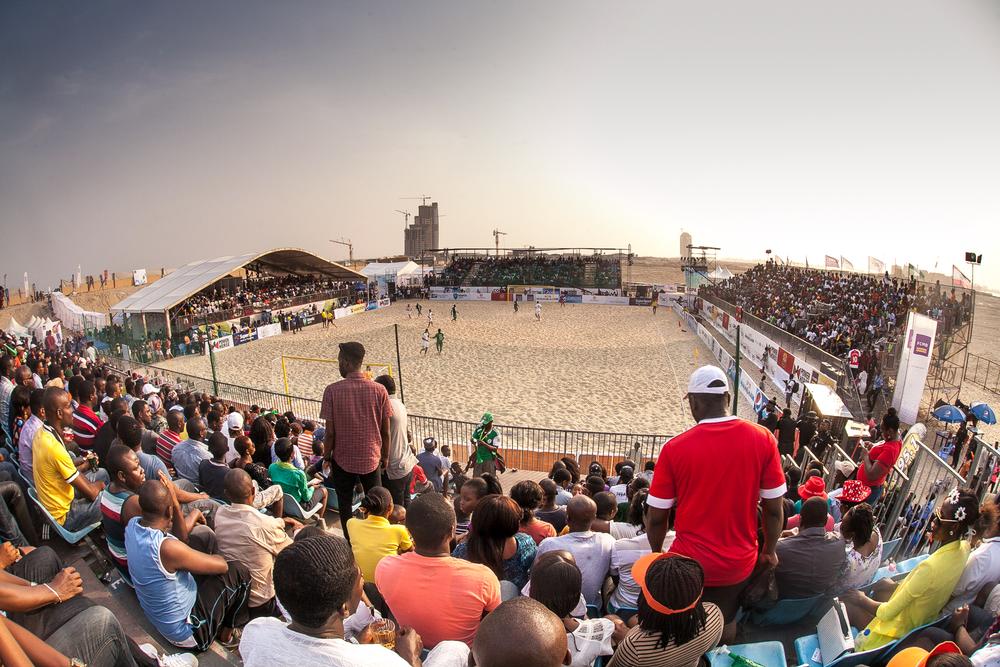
{"x": 401, "y": 273}
{"x": 74, "y": 317}
{"x": 720, "y": 273}
{"x": 18, "y": 330}
{"x": 188, "y": 280}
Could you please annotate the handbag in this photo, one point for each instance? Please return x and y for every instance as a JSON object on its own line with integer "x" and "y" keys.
{"x": 834, "y": 633}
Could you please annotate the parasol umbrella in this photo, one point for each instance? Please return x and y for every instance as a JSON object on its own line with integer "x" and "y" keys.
{"x": 949, "y": 414}
{"x": 983, "y": 413}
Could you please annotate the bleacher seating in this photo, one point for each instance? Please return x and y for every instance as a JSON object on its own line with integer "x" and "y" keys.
{"x": 584, "y": 271}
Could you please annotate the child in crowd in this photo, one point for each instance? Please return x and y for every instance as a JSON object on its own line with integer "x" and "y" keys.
{"x": 461, "y": 518}
{"x": 458, "y": 477}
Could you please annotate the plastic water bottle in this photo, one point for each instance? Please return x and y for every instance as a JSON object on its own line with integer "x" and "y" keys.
{"x": 739, "y": 660}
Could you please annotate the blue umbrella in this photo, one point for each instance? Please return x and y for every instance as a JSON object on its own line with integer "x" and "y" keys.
{"x": 984, "y": 413}
{"x": 949, "y": 414}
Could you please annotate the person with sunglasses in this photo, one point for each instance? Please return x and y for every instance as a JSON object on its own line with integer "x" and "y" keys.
{"x": 925, "y": 591}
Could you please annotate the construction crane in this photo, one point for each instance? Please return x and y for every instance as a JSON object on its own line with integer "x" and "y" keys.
{"x": 423, "y": 199}
{"x": 496, "y": 239}
{"x": 350, "y": 248}
{"x": 407, "y": 214}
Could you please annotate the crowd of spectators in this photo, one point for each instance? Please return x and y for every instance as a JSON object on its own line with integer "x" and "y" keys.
{"x": 254, "y": 295}
{"x": 536, "y": 269}
{"x": 838, "y": 311}
{"x": 437, "y": 566}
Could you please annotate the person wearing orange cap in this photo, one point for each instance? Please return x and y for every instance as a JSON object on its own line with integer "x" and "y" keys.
{"x": 945, "y": 654}
{"x": 675, "y": 626}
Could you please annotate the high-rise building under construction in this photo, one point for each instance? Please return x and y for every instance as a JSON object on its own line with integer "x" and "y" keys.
{"x": 422, "y": 235}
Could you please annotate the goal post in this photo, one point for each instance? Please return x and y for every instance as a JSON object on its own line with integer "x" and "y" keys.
{"x": 371, "y": 369}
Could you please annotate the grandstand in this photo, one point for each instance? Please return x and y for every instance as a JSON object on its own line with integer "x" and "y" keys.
{"x": 586, "y": 268}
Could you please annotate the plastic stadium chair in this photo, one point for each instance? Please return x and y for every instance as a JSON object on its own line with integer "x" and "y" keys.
{"x": 785, "y": 612}
{"x": 294, "y": 509}
{"x": 902, "y": 568}
{"x": 771, "y": 654}
{"x": 805, "y": 648}
{"x": 69, "y": 536}
{"x": 889, "y": 549}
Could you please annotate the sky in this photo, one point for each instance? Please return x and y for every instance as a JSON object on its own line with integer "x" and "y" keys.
{"x": 154, "y": 134}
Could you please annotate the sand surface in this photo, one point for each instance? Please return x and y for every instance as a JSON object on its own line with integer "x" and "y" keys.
{"x": 582, "y": 367}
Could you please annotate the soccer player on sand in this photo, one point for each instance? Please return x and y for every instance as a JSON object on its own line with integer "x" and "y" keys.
{"x": 538, "y": 311}
{"x": 409, "y": 311}
{"x": 454, "y": 313}
{"x": 439, "y": 341}
{"x": 425, "y": 341}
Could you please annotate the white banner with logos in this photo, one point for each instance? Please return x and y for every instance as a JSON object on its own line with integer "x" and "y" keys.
{"x": 219, "y": 344}
{"x": 914, "y": 363}
{"x": 462, "y": 293}
{"x": 606, "y": 300}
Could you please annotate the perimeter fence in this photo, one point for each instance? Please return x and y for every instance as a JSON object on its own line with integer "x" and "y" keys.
{"x": 523, "y": 447}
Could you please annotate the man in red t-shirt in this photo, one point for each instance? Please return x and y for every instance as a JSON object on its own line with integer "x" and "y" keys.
{"x": 878, "y": 460}
{"x": 713, "y": 477}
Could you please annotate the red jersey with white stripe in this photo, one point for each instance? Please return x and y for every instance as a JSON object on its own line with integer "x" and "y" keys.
{"x": 85, "y": 426}
{"x": 713, "y": 475}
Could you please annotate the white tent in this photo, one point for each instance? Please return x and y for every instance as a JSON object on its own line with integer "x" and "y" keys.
{"x": 74, "y": 317}
{"x": 18, "y": 329}
{"x": 720, "y": 273}
{"x": 401, "y": 273}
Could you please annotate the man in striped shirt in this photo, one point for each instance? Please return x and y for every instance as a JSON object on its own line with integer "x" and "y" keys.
{"x": 85, "y": 421}
{"x": 170, "y": 437}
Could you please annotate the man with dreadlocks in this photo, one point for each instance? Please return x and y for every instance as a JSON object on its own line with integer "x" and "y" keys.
{"x": 675, "y": 626}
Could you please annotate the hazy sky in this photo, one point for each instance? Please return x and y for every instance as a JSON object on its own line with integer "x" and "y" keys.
{"x": 148, "y": 134}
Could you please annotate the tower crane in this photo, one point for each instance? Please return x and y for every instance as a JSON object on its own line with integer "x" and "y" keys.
{"x": 350, "y": 248}
{"x": 496, "y": 239}
{"x": 407, "y": 215}
{"x": 423, "y": 199}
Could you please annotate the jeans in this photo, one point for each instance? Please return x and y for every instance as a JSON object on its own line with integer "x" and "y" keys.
{"x": 207, "y": 507}
{"x": 16, "y": 525}
{"x": 83, "y": 512}
{"x": 399, "y": 489}
{"x": 221, "y": 603}
{"x": 95, "y": 638}
{"x": 41, "y": 566}
{"x": 343, "y": 483}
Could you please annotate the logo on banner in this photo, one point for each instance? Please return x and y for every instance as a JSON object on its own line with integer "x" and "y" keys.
{"x": 922, "y": 345}
{"x": 786, "y": 361}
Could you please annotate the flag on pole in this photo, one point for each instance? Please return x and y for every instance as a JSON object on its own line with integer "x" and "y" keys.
{"x": 875, "y": 265}
{"x": 845, "y": 264}
{"x": 958, "y": 279}
{"x": 832, "y": 263}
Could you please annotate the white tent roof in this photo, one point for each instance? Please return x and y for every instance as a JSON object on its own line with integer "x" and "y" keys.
{"x": 721, "y": 273}
{"x": 169, "y": 291}
{"x": 374, "y": 269}
{"x": 17, "y": 329}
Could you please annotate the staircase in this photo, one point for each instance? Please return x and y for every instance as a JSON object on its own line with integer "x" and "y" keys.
{"x": 590, "y": 275}
{"x": 470, "y": 276}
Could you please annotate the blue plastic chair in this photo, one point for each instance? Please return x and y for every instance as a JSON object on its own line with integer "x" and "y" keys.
{"x": 785, "y": 612}
{"x": 889, "y": 549}
{"x": 771, "y": 654}
{"x": 902, "y": 569}
{"x": 805, "y": 648}
{"x": 69, "y": 536}
{"x": 294, "y": 509}
{"x": 623, "y": 613}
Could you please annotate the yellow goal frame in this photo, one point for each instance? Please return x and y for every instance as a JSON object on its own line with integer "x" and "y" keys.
{"x": 367, "y": 368}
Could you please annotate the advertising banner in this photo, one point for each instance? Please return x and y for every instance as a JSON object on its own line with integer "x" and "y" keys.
{"x": 606, "y": 300}
{"x": 219, "y": 344}
{"x": 914, "y": 363}
{"x": 498, "y": 296}
{"x": 268, "y": 330}
{"x": 357, "y": 308}
{"x": 139, "y": 277}
{"x": 463, "y": 293}
{"x": 244, "y": 337}
{"x": 384, "y": 302}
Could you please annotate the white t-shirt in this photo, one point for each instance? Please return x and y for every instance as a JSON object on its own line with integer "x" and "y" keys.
{"x": 267, "y": 642}
{"x": 621, "y": 493}
{"x": 401, "y": 457}
{"x": 592, "y": 638}
{"x": 592, "y": 552}
{"x": 624, "y": 554}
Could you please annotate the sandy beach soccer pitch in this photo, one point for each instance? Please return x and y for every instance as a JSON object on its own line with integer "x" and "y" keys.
{"x": 582, "y": 367}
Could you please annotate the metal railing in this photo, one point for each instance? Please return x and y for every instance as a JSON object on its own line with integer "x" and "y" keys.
{"x": 523, "y": 447}
{"x": 186, "y": 321}
{"x": 983, "y": 372}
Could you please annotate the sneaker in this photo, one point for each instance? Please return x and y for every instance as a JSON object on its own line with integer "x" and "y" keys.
{"x": 173, "y": 660}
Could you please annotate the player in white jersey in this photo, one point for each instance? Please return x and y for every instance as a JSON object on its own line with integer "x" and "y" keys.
{"x": 425, "y": 341}
{"x": 538, "y": 311}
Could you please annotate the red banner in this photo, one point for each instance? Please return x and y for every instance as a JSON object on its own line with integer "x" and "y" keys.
{"x": 786, "y": 360}
{"x": 725, "y": 321}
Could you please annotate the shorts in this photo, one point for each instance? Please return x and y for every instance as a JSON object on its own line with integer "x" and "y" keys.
{"x": 726, "y": 598}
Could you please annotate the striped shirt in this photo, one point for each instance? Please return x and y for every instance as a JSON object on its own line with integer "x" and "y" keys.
{"x": 85, "y": 426}
{"x": 165, "y": 444}
{"x": 639, "y": 648}
{"x": 305, "y": 444}
{"x": 114, "y": 529}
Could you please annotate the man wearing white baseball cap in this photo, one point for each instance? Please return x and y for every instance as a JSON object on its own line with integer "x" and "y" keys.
{"x": 713, "y": 477}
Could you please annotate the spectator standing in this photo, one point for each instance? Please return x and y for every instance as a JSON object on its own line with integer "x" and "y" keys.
{"x": 878, "y": 460}
{"x": 399, "y": 470}
{"x": 409, "y": 581}
{"x": 357, "y": 413}
{"x": 486, "y": 440}
{"x": 713, "y": 477}
{"x": 787, "y": 434}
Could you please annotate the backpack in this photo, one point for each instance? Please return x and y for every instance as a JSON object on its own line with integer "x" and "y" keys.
{"x": 795, "y": 386}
